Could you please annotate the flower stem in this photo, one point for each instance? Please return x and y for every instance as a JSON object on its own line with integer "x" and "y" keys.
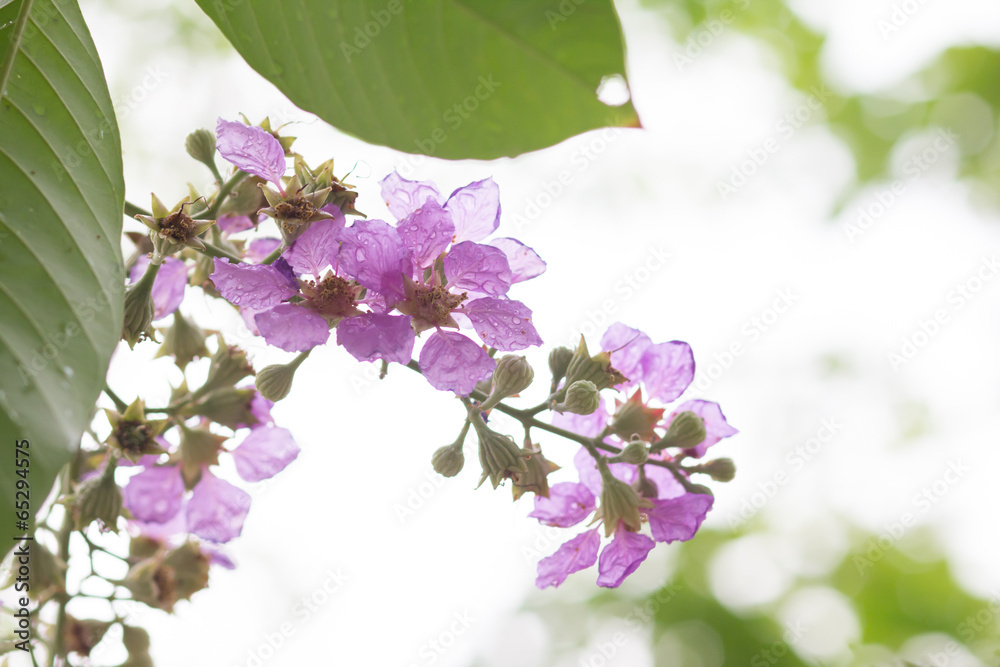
{"x": 213, "y": 210}
{"x": 275, "y": 254}
{"x": 215, "y": 251}
{"x": 131, "y": 210}
{"x": 120, "y": 405}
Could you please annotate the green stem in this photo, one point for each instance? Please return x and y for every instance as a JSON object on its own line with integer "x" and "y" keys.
{"x": 215, "y": 251}
{"x": 15, "y": 44}
{"x": 676, "y": 472}
{"x": 131, "y": 210}
{"x": 120, "y": 405}
{"x": 275, "y": 254}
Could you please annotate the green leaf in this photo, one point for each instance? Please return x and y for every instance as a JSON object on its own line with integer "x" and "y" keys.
{"x": 450, "y": 78}
{"x": 61, "y": 274}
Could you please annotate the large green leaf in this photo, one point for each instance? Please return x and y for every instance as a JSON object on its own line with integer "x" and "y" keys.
{"x": 451, "y": 78}
{"x": 61, "y": 275}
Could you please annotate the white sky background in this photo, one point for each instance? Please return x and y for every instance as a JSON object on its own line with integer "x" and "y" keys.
{"x": 366, "y": 445}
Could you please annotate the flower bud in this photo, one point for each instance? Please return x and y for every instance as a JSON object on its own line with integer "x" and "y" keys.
{"x": 619, "y": 502}
{"x": 81, "y": 637}
{"x": 582, "y": 398}
{"x": 559, "y": 359}
{"x": 198, "y": 448}
{"x": 229, "y": 407}
{"x": 721, "y": 470}
{"x": 184, "y": 341}
{"x": 98, "y": 499}
{"x": 635, "y": 453}
{"x": 229, "y": 366}
{"x": 634, "y": 419}
{"x": 595, "y": 368}
{"x": 449, "y": 460}
{"x": 200, "y": 145}
{"x": 644, "y": 486}
{"x": 498, "y": 455}
{"x": 512, "y": 375}
{"x": 138, "y": 322}
{"x": 136, "y": 642}
{"x": 275, "y": 381}
{"x": 536, "y": 478}
{"x": 685, "y": 431}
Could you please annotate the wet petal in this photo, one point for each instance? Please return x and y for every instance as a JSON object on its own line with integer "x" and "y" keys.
{"x": 317, "y": 248}
{"x": 524, "y": 262}
{"x": 251, "y": 149}
{"x": 373, "y": 254}
{"x": 156, "y": 494}
{"x": 577, "y": 554}
{"x": 475, "y": 209}
{"x": 256, "y": 286}
{"x": 292, "y": 328}
{"x": 622, "y": 557}
{"x": 403, "y": 196}
{"x": 502, "y": 323}
{"x": 478, "y": 268}
{"x": 452, "y": 362}
{"x": 373, "y": 336}
{"x": 426, "y": 232}
{"x": 217, "y": 509}
{"x": 264, "y": 453}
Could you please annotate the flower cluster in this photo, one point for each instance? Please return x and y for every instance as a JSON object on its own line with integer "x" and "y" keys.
{"x": 380, "y": 284}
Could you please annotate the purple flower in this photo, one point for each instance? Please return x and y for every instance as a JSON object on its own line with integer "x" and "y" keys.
{"x": 678, "y": 518}
{"x": 403, "y": 197}
{"x": 453, "y": 362}
{"x": 156, "y": 494}
{"x": 264, "y": 453}
{"x": 622, "y": 556}
{"x": 373, "y": 336}
{"x": 475, "y": 210}
{"x": 524, "y": 262}
{"x": 577, "y": 554}
{"x": 216, "y": 509}
{"x": 567, "y": 505}
{"x": 259, "y": 249}
{"x": 251, "y": 149}
{"x": 168, "y": 286}
{"x": 665, "y": 369}
{"x": 233, "y": 224}
{"x": 292, "y": 327}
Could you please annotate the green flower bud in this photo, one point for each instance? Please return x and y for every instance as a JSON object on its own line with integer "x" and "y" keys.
{"x": 721, "y": 470}
{"x": 138, "y": 323}
{"x": 619, "y": 502}
{"x": 98, "y": 499}
{"x": 536, "y": 478}
{"x": 559, "y": 359}
{"x": 699, "y": 488}
{"x": 512, "y": 375}
{"x": 275, "y": 381}
{"x": 448, "y": 460}
{"x": 229, "y": 407}
{"x": 685, "y": 431}
{"x": 229, "y": 366}
{"x": 498, "y": 455}
{"x": 200, "y": 145}
{"x": 635, "y": 453}
{"x": 582, "y": 398}
{"x": 595, "y": 368}
{"x": 184, "y": 341}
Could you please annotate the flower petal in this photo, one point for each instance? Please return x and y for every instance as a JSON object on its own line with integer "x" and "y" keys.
{"x": 156, "y": 494}
{"x": 251, "y": 149}
{"x": 168, "y": 285}
{"x": 426, "y": 232}
{"x": 257, "y": 286}
{"x": 233, "y": 224}
{"x": 478, "y": 268}
{"x": 678, "y": 518}
{"x": 577, "y": 554}
{"x": 403, "y": 196}
{"x": 217, "y": 509}
{"x": 373, "y": 336}
{"x": 452, "y": 362}
{"x": 716, "y": 426}
{"x": 261, "y": 248}
{"x": 502, "y": 323}
{"x": 627, "y": 346}
{"x": 568, "y": 504}
{"x": 475, "y": 210}
{"x": 373, "y": 254}
{"x": 524, "y": 262}
{"x": 264, "y": 453}
{"x": 622, "y": 557}
{"x": 317, "y": 248}
{"x": 293, "y": 328}
{"x": 667, "y": 370}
